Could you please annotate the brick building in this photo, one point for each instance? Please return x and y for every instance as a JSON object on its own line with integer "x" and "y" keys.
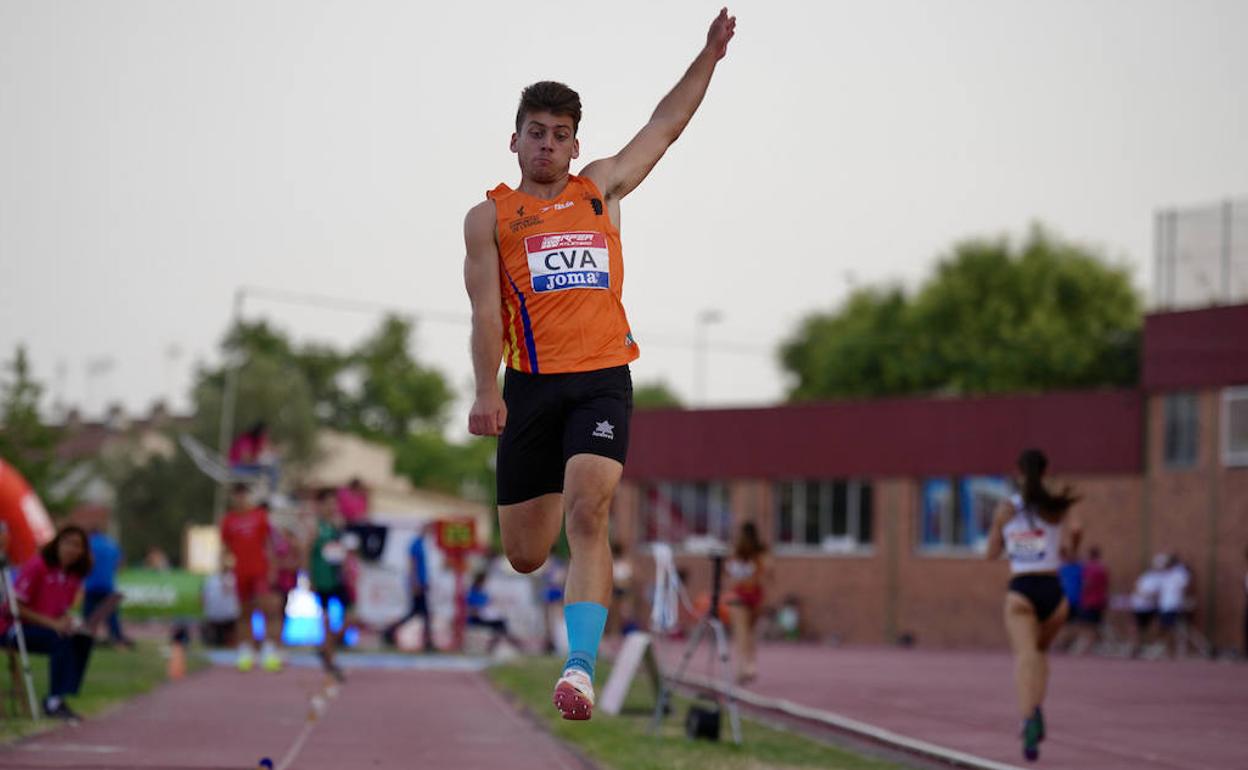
{"x": 878, "y": 510}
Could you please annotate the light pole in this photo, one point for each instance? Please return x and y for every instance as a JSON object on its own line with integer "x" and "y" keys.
{"x": 225, "y": 429}
{"x": 702, "y": 322}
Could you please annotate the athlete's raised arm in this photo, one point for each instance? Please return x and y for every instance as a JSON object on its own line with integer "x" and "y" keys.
{"x": 489, "y": 413}
{"x": 617, "y": 176}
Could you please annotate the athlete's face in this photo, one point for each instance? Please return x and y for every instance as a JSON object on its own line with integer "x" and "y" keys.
{"x": 546, "y": 146}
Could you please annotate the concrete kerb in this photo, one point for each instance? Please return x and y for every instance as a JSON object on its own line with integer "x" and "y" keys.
{"x": 887, "y": 738}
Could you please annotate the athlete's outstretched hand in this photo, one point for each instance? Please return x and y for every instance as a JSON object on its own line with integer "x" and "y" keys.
{"x": 488, "y": 415}
{"x": 722, "y": 30}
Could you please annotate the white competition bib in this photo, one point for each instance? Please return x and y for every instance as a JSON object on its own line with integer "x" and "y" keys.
{"x": 1027, "y": 545}
{"x": 560, "y": 261}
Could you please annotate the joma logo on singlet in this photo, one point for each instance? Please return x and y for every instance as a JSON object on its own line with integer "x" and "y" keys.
{"x": 560, "y": 261}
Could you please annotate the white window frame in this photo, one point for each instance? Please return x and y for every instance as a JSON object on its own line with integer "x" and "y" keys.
{"x": 1166, "y": 400}
{"x": 684, "y": 495}
{"x": 974, "y": 549}
{"x": 848, "y": 545}
{"x": 1232, "y": 458}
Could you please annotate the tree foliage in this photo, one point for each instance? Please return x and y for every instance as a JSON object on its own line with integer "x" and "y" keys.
{"x": 397, "y": 395}
{"x": 995, "y": 317}
{"x": 655, "y": 395}
{"x": 433, "y": 462}
{"x": 27, "y": 442}
{"x": 155, "y": 502}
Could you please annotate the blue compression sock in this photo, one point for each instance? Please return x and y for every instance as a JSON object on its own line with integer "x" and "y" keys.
{"x": 585, "y": 622}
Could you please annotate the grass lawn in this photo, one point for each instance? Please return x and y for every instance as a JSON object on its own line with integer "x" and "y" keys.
{"x": 625, "y": 742}
{"x": 113, "y": 676}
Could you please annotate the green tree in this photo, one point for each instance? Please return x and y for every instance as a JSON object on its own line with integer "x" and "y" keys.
{"x": 321, "y": 366}
{"x": 271, "y": 390}
{"x": 26, "y": 441}
{"x": 655, "y": 395}
{"x": 432, "y": 462}
{"x": 995, "y": 317}
{"x": 397, "y": 395}
{"x": 156, "y": 501}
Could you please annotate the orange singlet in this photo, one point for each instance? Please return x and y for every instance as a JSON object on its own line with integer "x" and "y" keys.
{"x": 562, "y": 279}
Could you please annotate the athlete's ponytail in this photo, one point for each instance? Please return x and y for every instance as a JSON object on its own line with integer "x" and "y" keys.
{"x": 1036, "y": 496}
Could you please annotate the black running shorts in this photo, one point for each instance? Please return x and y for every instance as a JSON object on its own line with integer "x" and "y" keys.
{"x": 551, "y": 417}
{"x": 1043, "y": 590}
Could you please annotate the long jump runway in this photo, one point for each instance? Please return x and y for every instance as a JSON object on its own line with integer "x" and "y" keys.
{"x": 223, "y": 720}
{"x": 1107, "y": 714}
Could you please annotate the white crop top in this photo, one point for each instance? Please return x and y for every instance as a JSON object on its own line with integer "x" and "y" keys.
{"x": 1031, "y": 543}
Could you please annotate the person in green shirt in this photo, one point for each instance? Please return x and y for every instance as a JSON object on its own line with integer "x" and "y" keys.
{"x": 326, "y": 558}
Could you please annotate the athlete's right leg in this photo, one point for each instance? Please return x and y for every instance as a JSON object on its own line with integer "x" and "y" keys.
{"x": 529, "y": 530}
{"x": 530, "y": 469}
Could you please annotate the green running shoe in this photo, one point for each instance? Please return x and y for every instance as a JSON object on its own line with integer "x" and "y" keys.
{"x": 1031, "y": 739}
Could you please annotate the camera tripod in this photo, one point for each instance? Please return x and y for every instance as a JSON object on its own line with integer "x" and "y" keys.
{"x": 711, "y": 628}
{"x": 23, "y": 657}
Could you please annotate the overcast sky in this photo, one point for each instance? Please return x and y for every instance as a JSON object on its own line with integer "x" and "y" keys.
{"x": 155, "y": 156}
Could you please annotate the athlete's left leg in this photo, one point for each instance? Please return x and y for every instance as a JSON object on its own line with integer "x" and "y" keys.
{"x": 589, "y": 485}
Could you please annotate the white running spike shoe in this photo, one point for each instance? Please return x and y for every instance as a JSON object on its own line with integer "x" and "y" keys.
{"x": 574, "y": 695}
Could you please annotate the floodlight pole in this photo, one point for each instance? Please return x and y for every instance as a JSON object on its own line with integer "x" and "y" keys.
{"x": 702, "y": 321}
{"x": 228, "y": 399}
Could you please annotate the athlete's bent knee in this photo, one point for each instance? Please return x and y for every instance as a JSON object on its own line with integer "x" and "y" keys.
{"x": 525, "y": 563}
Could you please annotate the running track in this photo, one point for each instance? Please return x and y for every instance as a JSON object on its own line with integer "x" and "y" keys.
{"x": 1106, "y": 714}
{"x": 1102, "y": 713}
{"x": 223, "y": 720}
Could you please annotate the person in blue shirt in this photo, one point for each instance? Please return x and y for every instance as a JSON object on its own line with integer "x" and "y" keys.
{"x": 482, "y": 614}
{"x": 101, "y": 583}
{"x": 418, "y": 586}
{"x": 1071, "y": 576}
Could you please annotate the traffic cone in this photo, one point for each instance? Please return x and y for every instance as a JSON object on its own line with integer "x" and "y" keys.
{"x": 177, "y": 653}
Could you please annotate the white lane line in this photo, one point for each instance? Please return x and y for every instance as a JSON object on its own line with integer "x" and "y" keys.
{"x": 958, "y": 758}
{"x": 552, "y": 744}
{"x": 293, "y": 752}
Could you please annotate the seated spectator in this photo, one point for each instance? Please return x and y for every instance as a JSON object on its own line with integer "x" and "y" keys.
{"x": 46, "y": 588}
{"x": 101, "y": 584}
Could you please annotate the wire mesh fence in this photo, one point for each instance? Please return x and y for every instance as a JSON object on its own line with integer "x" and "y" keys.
{"x": 1202, "y": 256}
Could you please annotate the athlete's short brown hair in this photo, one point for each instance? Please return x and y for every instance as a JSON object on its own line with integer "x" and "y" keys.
{"x": 552, "y": 97}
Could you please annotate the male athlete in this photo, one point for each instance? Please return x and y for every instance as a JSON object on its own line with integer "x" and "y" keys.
{"x": 545, "y": 274}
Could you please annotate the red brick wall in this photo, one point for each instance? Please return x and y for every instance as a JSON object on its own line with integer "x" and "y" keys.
{"x": 944, "y": 601}
{"x": 1201, "y": 513}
